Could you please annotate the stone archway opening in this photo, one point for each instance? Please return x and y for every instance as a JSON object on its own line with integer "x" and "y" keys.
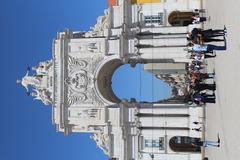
{"x": 158, "y": 87}
{"x": 178, "y": 18}
{"x": 104, "y": 80}
{"x": 138, "y": 85}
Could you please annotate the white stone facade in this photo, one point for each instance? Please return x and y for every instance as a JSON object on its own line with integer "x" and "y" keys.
{"x": 77, "y": 81}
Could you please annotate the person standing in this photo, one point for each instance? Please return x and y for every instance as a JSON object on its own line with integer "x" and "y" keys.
{"x": 207, "y": 40}
{"x": 202, "y": 76}
{"x": 207, "y": 143}
{"x": 209, "y": 54}
{"x": 207, "y": 47}
{"x": 197, "y": 123}
{"x": 203, "y": 98}
{"x": 197, "y": 86}
{"x": 200, "y": 57}
{"x": 209, "y": 33}
{"x": 197, "y": 129}
{"x": 198, "y": 19}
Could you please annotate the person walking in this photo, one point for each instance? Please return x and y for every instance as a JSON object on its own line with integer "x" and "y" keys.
{"x": 197, "y": 129}
{"x": 207, "y": 143}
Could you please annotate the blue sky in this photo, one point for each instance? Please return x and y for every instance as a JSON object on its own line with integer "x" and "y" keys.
{"x": 27, "y": 29}
{"x": 136, "y": 83}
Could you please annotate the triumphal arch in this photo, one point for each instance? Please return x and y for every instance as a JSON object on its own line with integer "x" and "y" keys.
{"x": 76, "y": 82}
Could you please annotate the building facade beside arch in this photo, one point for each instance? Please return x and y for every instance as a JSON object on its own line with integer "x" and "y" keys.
{"x": 77, "y": 80}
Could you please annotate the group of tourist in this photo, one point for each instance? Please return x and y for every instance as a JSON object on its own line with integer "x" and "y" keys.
{"x": 199, "y": 39}
{"x": 201, "y": 92}
{"x": 201, "y": 83}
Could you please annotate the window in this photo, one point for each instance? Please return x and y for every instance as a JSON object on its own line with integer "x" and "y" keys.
{"x": 182, "y": 140}
{"x": 154, "y": 19}
{"x": 155, "y": 143}
{"x": 178, "y": 140}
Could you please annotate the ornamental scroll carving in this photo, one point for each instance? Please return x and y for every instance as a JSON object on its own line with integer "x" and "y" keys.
{"x": 74, "y": 63}
{"x": 102, "y": 140}
{"x": 88, "y": 64}
{"x": 88, "y": 97}
{"x": 76, "y": 98}
{"x": 80, "y": 81}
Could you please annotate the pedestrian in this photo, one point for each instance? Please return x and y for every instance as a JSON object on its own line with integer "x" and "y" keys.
{"x": 197, "y": 86}
{"x": 198, "y": 56}
{"x": 207, "y": 143}
{"x": 211, "y": 53}
{"x": 209, "y": 33}
{"x": 206, "y": 34}
{"x": 202, "y": 98}
{"x": 207, "y": 47}
{"x": 199, "y": 11}
{"x": 197, "y": 129}
{"x": 203, "y": 76}
{"x": 201, "y": 40}
{"x": 207, "y": 40}
{"x": 197, "y": 63}
{"x": 196, "y": 122}
{"x": 196, "y": 68}
{"x": 207, "y": 55}
{"x": 198, "y": 19}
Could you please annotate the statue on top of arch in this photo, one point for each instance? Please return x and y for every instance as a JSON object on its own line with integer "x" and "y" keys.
{"x": 42, "y": 68}
{"x": 38, "y": 84}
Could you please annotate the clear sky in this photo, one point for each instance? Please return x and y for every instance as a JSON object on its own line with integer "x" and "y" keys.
{"x": 27, "y": 29}
{"x": 136, "y": 83}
